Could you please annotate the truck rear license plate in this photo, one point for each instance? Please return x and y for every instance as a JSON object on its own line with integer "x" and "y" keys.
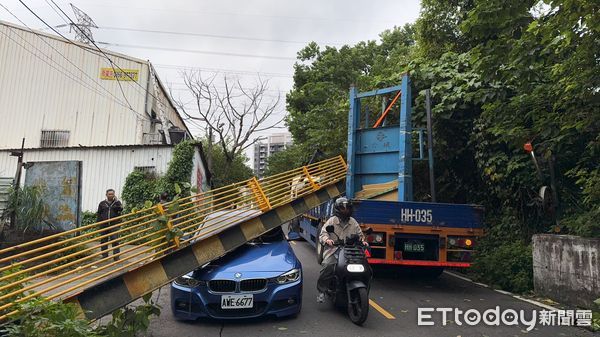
{"x": 237, "y": 301}
{"x": 414, "y": 247}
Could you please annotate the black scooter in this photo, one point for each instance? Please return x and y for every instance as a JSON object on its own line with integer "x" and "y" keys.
{"x": 352, "y": 280}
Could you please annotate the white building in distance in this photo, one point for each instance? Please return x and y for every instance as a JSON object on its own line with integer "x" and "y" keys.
{"x": 263, "y": 149}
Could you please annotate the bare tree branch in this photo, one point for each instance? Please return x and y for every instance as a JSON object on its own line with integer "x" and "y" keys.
{"x": 233, "y": 114}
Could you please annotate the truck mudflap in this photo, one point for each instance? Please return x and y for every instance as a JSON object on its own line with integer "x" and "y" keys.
{"x": 420, "y": 263}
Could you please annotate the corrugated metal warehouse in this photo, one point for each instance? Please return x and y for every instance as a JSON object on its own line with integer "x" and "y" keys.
{"x": 60, "y": 93}
{"x": 78, "y": 111}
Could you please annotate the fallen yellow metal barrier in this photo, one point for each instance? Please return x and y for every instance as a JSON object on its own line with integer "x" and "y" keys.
{"x": 160, "y": 243}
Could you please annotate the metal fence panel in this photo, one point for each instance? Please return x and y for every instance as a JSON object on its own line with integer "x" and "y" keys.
{"x": 5, "y": 184}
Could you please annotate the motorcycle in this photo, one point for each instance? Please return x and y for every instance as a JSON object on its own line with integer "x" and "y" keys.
{"x": 352, "y": 278}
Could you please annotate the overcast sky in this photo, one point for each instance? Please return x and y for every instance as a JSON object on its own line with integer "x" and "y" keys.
{"x": 236, "y": 38}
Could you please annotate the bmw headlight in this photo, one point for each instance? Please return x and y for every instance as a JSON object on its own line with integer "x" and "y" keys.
{"x": 291, "y": 276}
{"x": 187, "y": 281}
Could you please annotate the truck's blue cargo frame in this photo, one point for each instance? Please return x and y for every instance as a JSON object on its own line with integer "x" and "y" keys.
{"x": 381, "y": 155}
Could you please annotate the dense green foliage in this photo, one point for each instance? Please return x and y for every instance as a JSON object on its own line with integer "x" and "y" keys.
{"x": 139, "y": 187}
{"x": 282, "y": 161}
{"x": 501, "y": 73}
{"x": 223, "y": 172}
{"x": 28, "y": 206}
{"x": 88, "y": 218}
{"x": 44, "y": 318}
{"x": 509, "y": 267}
{"x": 179, "y": 171}
{"x": 10, "y": 271}
{"x": 130, "y": 321}
{"x": 143, "y": 187}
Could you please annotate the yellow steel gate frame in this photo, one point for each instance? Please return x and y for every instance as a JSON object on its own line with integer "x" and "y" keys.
{"x": 160, "y": 243}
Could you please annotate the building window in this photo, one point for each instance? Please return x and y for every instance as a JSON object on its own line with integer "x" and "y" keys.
{"x": 146, "y": 169}
{"x": 55, "y": 138}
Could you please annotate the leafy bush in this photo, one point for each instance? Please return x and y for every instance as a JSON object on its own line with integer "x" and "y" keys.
{"x": 10, "y": 271}
{"x": 42, "y": 318}
{"x": 508, "y": 266}
{"x": 224, "y": 173}
{"x": 139, "y": 187}
{"x": 88, "y": 218}
{"x": 28, "y": 206}
{"x": 288, "y": 159}
{"x": 129, "y": 322}
{"x": 180, "y": 169}
{"x": 585, "y": 223}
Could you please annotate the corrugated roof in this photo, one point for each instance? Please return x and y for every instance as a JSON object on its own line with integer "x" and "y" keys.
{"x": 89, "y": 147}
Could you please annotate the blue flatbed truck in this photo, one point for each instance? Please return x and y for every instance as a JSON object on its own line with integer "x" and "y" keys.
{"x": 379, "y": 181}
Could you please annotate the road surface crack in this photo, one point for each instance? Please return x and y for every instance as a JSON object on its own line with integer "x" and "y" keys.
{"x": 221, "y": 331}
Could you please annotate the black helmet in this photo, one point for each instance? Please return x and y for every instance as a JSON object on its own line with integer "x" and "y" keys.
{"x": 342, "y": 208}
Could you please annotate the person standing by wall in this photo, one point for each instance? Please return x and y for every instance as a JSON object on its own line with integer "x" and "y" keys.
{"x": 109, "y": 208}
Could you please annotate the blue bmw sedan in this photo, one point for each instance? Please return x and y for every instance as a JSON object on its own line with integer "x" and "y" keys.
{"x": 263, "y": 277}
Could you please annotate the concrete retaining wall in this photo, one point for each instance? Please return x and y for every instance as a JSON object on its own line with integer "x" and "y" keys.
{"x": 567, "y": 268}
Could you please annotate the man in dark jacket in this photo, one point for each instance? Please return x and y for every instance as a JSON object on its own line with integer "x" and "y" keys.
{"x": 108, "y": 209}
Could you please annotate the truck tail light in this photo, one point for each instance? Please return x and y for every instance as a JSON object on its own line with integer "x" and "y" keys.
{"x": 461, "y": 242}
{"x": 376, "y": 239}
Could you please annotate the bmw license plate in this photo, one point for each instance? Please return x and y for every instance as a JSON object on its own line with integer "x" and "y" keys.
{"x": 414, "y": 246}
{"x": 237, "y": 301}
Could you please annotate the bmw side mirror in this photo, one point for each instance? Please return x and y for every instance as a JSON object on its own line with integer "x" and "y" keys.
{"x": 329, "y": 229}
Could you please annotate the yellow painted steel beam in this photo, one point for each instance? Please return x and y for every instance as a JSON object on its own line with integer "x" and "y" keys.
{"x": 271, "y": 197}
{"x": 118, "y": 291}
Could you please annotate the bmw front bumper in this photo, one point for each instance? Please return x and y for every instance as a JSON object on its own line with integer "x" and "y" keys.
{"x": 277, "y": 299}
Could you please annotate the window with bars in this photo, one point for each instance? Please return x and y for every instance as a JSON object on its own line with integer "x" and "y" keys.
{"x": 55, "y": 138}
{"x": 146, "y": 169}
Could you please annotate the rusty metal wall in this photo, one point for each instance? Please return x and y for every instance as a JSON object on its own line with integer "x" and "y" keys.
{"x": 61, "y": 182}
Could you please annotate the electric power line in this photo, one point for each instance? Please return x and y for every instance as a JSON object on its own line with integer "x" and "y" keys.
{"x": 66, "y": 58}
{"x": 217, "y": 36}
{"x": 39, "y": 18}
{"x": 196, "y": 51}
{"x": 222, "y": 70}
{"x": 185, "y": 86}
{"x": 67, "y": 74}
{"x": 110, "y": 60}
{"x": 85, "y": 36}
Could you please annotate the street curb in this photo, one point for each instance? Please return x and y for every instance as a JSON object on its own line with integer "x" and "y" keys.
{"x": 539, "y": 304}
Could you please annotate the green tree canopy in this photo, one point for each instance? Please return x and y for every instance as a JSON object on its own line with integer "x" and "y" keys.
{"x": 501, "y": 73}
{"x": 226, "y": 173}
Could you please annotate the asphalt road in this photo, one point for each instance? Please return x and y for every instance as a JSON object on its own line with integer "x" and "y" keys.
{"x": 397, "y": 295}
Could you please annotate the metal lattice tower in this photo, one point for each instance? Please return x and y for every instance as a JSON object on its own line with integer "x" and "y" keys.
{"x": 84, "y": 23}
